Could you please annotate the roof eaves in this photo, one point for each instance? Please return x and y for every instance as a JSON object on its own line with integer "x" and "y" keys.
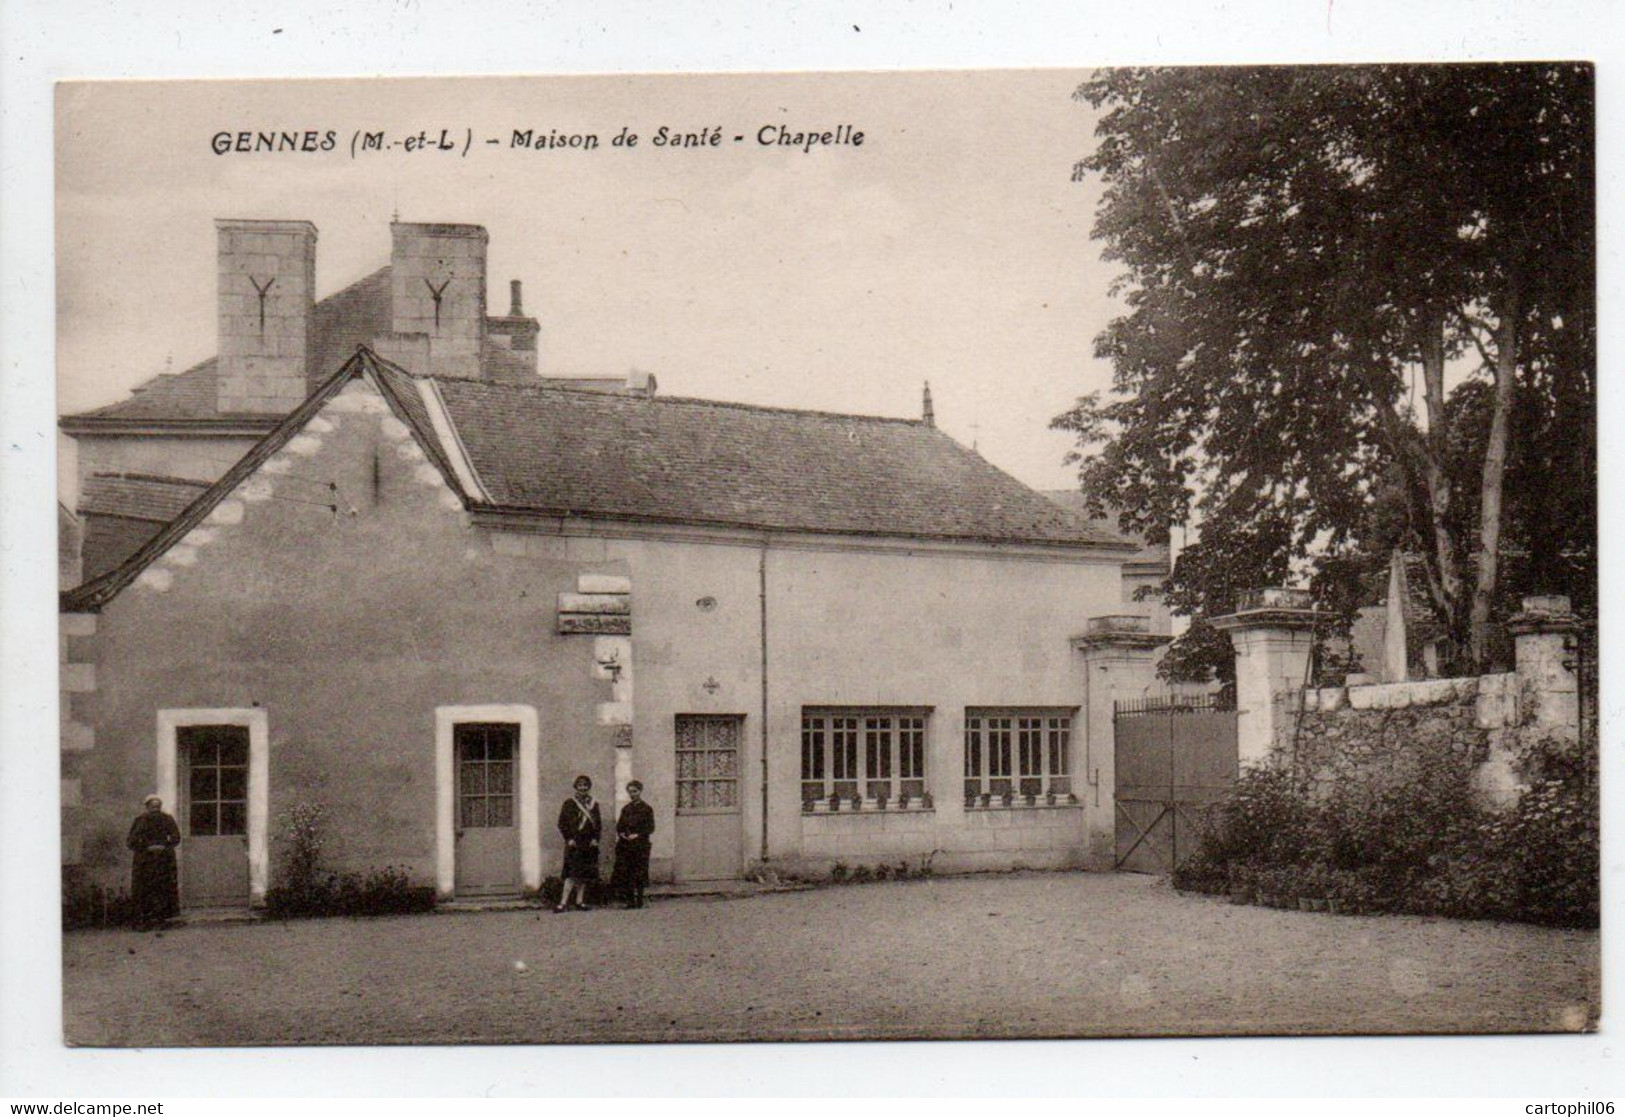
{"x": 212, "y": 427}
{"x": 520, "y": 512}
{"x": 97, "y": 592}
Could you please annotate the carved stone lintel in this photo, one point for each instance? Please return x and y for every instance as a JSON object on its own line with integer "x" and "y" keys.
{"x": 594, "y": 624}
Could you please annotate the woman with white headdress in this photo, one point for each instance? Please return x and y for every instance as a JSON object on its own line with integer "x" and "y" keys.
{"x": 154, "y": 881}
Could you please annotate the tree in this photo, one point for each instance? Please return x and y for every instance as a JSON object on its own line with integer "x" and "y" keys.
{"x": 1300, "y": 246}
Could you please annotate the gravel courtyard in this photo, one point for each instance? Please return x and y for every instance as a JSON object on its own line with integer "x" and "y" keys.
{"x": 1040, "y": 954}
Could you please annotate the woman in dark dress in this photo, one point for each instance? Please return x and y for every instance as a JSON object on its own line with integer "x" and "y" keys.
{"x": 632, "y": 832}
{"x": 154, "y": 882}
{"x": 580, "y": 826}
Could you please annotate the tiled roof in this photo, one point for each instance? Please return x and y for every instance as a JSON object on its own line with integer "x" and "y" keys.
{"x": 1073, "y": 500}
{"x": 342, "y": 321}
{"x": 671, "y": 461}
{"x": 99, "y": 590}
{"x": 138, "y": 496}
{"x": 687, "y": 461}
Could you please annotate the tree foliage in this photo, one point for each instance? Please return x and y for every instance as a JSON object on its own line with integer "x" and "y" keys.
{"x": 1303, "y": 249}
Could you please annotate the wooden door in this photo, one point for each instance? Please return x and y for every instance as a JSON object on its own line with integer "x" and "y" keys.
{"x": 709, "y": 842}
{"x": 213, "y": 814}
{"x": 487, "y": 814}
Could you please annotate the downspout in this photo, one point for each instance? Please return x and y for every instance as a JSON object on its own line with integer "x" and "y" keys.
{"x": 761, "y": 577}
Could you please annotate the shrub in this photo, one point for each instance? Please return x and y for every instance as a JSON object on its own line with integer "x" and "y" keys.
{"x": 1411, "y": 839}
{"x": 1265, "y": 817}
{"x": 386, "y": 891}
{"x": 86, "y": 906}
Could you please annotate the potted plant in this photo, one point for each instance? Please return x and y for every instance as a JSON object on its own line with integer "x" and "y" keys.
{"x": 925, "y": 801}
{"x": 903, "y": 801}
{"x": 834, "y": 802}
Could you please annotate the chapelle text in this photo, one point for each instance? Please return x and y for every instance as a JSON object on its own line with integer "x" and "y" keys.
{"x": 768, "y": 135}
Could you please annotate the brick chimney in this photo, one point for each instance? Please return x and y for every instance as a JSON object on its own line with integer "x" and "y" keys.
{"x": 437, "y": 293}
{"x": 515, "y": 332}
{"x": 267, "y": 281}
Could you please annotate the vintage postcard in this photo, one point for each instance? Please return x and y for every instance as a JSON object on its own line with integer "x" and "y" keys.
{"x": 828, "y": 556}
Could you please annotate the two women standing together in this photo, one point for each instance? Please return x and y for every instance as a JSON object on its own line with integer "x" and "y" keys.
{"x": 580, "y": 825}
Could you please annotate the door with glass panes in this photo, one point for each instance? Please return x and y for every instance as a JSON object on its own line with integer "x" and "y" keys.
{"x": 487, "y": 810}
{"x": 213, "y": 814}
{"x": 710, "y": 845}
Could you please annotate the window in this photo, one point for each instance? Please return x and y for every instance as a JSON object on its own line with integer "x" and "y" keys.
{"x": 707, "y": 764}
{"x": 873, "y": 755}
{"x": 1017, "y": 756}
{"x": 485, "y": 770}
{"x": 217, "y": 779}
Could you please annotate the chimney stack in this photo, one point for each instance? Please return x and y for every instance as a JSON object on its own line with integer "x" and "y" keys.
{"x": 267, "y": 281}
{"x": 515, "y": 332}
{"x": 930, "y": 415}
{"x": 437, "y": 293}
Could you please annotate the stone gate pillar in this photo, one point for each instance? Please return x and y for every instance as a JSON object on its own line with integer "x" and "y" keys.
{"x": 1546, "y": 633}
{"x": 1119, "y": 655}
{"x": 1272, "y": 631}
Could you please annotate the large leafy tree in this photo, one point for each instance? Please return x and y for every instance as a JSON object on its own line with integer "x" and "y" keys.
{"x": 1304, "y": 251}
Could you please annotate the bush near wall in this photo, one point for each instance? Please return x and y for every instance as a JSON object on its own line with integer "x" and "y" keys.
{"x": 306, "y": 888}
{"x": 1412, "y": 839}
{"x": 86, "y": 906}
{"x": 387, "y": 891}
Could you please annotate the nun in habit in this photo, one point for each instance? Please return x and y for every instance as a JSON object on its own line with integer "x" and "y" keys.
{"x": 154, "y": 881}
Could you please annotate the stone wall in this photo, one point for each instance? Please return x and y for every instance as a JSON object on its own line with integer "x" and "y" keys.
{"x": 1491, "y": 721}
{"x": 1333, "y": 734}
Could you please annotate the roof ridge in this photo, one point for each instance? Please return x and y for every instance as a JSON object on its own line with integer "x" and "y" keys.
{"x": 369, "y": 277}
{"x": 691, "y": 401}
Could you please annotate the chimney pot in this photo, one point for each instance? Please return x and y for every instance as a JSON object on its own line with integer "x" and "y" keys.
{"x": 516, "y": 301}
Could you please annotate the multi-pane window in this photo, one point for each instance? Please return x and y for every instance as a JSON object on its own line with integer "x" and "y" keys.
{"x": 873, "y": 755}
{"x": 485, "y": 770}
{"x": 707, "y": 764}
{"x": 217, "y": 779}
{"x": 1017, "y": 756}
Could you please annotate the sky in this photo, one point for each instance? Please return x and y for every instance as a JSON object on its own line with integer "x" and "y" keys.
{"x": 950, "y": 246}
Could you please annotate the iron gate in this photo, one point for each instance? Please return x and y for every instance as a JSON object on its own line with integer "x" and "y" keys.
{"x": 1175, "y": 758}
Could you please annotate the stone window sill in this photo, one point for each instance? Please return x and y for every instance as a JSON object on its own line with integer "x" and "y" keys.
{"x": 821, "y": 808}
{"x": 1061, "y": 801}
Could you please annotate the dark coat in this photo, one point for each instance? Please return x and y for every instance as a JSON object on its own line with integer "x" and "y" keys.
{"x": 632, "y": 832}
{"x": 580, "y": 828}
{"x": 154, "y": 879}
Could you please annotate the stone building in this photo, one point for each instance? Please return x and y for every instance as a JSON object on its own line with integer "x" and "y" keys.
{"x": 423, "y": 586}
